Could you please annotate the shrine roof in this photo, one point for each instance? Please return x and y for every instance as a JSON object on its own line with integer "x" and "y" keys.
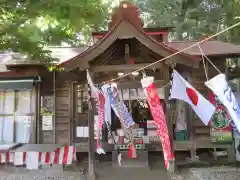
{"x": 209, "y": 48}
{"x": 146, "y": 30}
{"x": 126, "y": 24}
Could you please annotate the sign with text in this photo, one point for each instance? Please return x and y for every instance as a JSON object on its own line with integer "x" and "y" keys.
{"x": 47, "y": 123}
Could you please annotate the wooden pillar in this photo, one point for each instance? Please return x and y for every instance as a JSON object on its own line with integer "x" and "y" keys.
{"x": 72, "y": 111}
{"x": 192, "y": 129}
{"x": 231, "y": 150}
{"x": 70, "y": 98}
{"x": 166, "y": 76}
{"x": 91, "y": 148}
{"x": 54, "y": 107}
{"x": 38, "y": 111}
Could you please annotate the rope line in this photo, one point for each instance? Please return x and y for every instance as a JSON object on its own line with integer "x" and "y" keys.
{"x": 204, "y": 65}
{"x": 176, "y": 53}
{"x": 209, "y": 60}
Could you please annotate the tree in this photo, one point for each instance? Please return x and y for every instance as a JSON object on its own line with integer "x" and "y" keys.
{"x": 26, "y": 26}
{"x": 192, "y": 19}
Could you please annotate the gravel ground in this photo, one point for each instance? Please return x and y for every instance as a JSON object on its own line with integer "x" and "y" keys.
{"x": 215, "y": 173}
{"x": 105, "y": 171}
{"x": 108, "y": 173}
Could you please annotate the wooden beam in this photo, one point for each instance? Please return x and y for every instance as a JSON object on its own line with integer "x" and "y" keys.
{"x": 123, "y": 67}
{"x": 69, "y": 76}
{"x": 106, "y": 56}
{"x": 91, "y": 148}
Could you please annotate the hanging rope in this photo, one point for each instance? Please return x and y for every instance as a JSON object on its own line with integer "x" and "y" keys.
{"x": 169, "y": 83}
{"x": 208, "y": 59}
{"x": 204, "y": 65}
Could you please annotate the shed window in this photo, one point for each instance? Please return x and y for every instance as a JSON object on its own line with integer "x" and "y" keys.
{"x": 17, "y": 109}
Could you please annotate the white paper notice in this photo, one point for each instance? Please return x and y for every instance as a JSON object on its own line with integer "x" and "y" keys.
{"x": 18, "y": 158}
{"x": 47, "y": 124}
{"x": 79, "y": 131}
{"x": 32, "y": 160}
{"x": 86, "y": 131}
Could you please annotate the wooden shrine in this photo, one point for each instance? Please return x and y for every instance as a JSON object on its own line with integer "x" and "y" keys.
{"x": 125, "y": 47}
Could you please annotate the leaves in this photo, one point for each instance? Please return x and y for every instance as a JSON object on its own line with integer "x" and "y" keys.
{"x": 196, "y": 18}
{"x": 27, "y": 26}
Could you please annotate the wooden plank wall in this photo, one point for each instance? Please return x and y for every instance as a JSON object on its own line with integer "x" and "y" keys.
{"x": 63, "y": 113}
{"x": 46, "y": 89}
{"x": 61, "y": 134}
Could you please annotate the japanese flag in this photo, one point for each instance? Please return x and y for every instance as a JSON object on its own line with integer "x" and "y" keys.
{"x": 182, "y": 90}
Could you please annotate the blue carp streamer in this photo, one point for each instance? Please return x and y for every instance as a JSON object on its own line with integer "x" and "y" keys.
{"x": 118, "y": 107}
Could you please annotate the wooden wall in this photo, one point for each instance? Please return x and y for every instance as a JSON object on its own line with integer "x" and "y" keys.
{"x": 62, "y": 109}
{"x": 63, "y": 113}
{"x": 46, "y": 91}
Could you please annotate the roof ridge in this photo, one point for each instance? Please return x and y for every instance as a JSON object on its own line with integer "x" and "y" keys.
{"x": 52, "y": 47}
{"x": 178, "y": 41}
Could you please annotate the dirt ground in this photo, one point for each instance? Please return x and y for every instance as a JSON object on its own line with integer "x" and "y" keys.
{"x": 105, "y": 171}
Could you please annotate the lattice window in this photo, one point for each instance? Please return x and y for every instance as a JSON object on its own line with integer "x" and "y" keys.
{"x": 82, "y": 98}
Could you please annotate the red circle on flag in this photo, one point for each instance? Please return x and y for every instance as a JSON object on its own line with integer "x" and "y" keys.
{"x": 193, "y": 96}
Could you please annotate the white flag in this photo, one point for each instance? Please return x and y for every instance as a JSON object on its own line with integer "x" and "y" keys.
{"x": 223, "y": 91}
{"x": 182, "y": 90}
{"x": 107, "y": 106}
{"x": 94, "y": 90}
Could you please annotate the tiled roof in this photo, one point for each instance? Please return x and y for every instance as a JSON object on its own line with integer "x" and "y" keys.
{"x": 209, "y": 48}
{"x": 62, "y": 53}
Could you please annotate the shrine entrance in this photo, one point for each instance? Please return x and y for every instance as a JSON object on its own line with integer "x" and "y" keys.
{"x": 124, "y": 49}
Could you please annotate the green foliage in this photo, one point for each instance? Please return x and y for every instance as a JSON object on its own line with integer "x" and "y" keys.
{"x": 27, "y": 26}
{"x": 194, "y": 18}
